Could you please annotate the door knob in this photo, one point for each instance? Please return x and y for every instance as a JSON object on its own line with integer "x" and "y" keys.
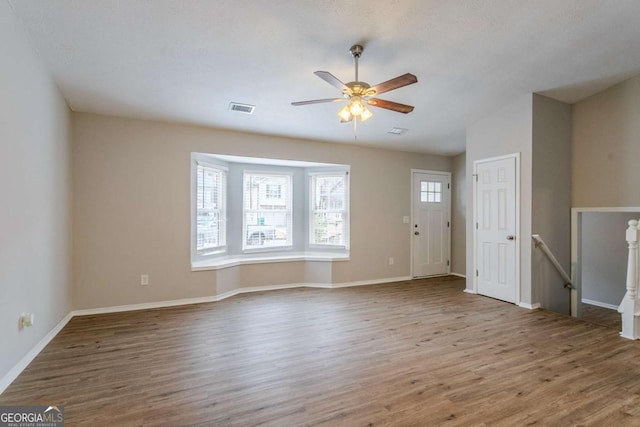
{"x": 416, "y": 233}
{"x": 511, "y": 237}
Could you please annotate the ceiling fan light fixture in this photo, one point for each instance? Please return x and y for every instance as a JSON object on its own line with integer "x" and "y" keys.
{"x": 345, "y": 114}
{"x": 355, "y": 106}
{"x": 366, "y": 114}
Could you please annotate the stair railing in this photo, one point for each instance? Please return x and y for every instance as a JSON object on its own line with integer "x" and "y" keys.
{"x": 540, "y": 244}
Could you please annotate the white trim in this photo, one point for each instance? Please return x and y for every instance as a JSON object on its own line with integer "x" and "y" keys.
{"x": 227, "y": 262}
{"x": 470, "y": 291}
{"x": 600, "y": 304}
{"x": 371, "y": 282}
{"x": 411, "y": 219}
{"x": 464, "y": 276}
{"x": 576, "y": 256}
{"x": 229, "y": 294}
{"x": 528, "y": 306}
{"x": 143, "y": 306}
{"x": 28, "y": 358}
{"x": 515, "y": 156}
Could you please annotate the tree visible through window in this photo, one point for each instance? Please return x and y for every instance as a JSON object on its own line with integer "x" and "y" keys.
{"x": 267, "y": 210}
{"x": 211, "y": 210}
{"x": 328, "y": 222}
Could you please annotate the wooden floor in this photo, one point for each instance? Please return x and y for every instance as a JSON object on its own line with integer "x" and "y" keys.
{"x": 602, "y": 316}
{"x": 418, "y": 353}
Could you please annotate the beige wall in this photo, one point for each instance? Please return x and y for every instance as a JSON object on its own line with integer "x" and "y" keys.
{"x": 35, "y": 248}
{"x": 604, "y": 253}
{"x": 459, "y": 214}
{"x": 539, "y": 129}
{"x": 506, "y": 131}
{"x": 606, "y": 147}
{"x": 551, "y": 200}
{"x": 131, "y": 210}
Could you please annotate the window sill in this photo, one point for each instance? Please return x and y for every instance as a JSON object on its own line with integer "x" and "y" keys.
{"x": 226, "y": 262}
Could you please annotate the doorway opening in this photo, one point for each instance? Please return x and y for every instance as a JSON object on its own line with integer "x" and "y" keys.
{"x": 599, "y": 253}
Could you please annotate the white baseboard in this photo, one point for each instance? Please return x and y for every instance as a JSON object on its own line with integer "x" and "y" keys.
{"x": 229, "y": 294}
{"x": 470, "y": 291}
{"x": 599, "y": 304}
{"x": 371, "y": 282}
{"x": 528, "y": 306}
{"x": 458, "y": 275}
{"x": 28, "y": 358}
{"x": 143, "y": 306}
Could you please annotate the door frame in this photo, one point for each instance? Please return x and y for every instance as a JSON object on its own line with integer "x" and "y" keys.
{"x": 518, "y": 283}
{"x": 430, "y": 172}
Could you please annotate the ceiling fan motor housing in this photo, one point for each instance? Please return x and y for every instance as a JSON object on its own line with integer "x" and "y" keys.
{"x": 356, "y": 50}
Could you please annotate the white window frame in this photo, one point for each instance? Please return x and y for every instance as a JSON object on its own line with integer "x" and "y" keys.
{"x": 346, "y": 216}
{"x": 289, "y": 212}
{"x": 222, "y": 249}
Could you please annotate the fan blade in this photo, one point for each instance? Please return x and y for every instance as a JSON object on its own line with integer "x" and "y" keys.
{"x": 398, "y": 82}
{"x": 317, "y": 101}
{"x": 332, "y": 80}
{"x": 390, "y": 105}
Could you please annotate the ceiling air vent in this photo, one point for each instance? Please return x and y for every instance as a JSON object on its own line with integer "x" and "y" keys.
{"x": 242, "y": 108}
{"x": 397, "y": 131}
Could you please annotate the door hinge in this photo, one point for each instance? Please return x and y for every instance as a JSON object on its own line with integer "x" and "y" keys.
{"x": 447, "y": 263}
{"x": 448, "y": 185}
{"x": 448, "y": 224}
{"x": 476, "y": 225}
{"x": 477, "y": 273}
{"x": 476, "y": 177}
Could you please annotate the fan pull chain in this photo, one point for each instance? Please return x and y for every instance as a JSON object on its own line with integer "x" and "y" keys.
{"x": 355, "y": 128}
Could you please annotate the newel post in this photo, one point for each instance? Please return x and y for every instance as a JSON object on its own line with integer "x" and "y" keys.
{"x": 630, "y": 307}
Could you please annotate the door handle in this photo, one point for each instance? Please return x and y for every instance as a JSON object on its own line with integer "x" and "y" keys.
{"x": 511, "y": 237}
{"x": 416, "y": 233}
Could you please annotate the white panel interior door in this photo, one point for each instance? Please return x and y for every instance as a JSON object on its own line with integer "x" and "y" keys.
{"x": 496, "y": 228}
{"x": 430, "y": 227}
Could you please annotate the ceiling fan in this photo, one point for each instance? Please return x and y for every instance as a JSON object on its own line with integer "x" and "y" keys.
{"x": 360, "y": 94}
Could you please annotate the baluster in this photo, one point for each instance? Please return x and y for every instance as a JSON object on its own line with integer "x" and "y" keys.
{"x": 628, "y": 308}
{"x": 632, "y": 264}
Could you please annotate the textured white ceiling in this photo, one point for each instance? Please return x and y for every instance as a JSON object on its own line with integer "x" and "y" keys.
{"x": 185, "y": 60}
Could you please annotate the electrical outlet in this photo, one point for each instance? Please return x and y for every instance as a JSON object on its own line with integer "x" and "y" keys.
{"x": 144, "y": 279}
{"x": 391, "y": 261}
{"x": 25, "y": 320}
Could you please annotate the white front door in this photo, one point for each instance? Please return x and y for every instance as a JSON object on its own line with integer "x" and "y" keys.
{"x": 496, "y": 228}
{"x": 430, "y": 227}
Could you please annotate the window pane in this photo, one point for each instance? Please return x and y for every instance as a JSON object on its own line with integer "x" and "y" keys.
{"x": 438, "y": 197}
{"x": 267, "y": 211}
{"x": 329, "y": 192}
{"x": 437, "y": 187}
{"x": 328, "y": 229}
{"x": 328, "y": 204}
{"x": 210, "y": 210}
{"x": 424, "y": 186}
{"x": 423, "y": 196}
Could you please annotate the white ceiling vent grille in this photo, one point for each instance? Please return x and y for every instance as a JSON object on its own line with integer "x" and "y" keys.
{"x": 397, "y": 131}
{"x": 242, "y": 108}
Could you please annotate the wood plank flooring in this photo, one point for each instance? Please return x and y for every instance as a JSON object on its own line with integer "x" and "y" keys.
{"x": 416, "y": 353}
{"x": 602, "y": 316}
